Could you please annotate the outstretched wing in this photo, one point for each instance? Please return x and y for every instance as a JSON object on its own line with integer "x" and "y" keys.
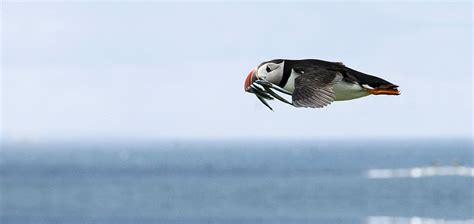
{"x": 314, "y": 87}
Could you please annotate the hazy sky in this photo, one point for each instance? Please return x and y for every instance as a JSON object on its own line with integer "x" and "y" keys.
{"x": 176, "y": 70}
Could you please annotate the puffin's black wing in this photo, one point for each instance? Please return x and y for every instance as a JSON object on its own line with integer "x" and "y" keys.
{"x": 314, "y": 86}
{"x": 350, "y": 75}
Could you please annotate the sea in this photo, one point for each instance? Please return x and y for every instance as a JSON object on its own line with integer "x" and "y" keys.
{"x": 403, "y": 181}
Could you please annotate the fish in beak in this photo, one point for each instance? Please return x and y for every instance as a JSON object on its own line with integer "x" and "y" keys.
{"x": 263, "y": 89}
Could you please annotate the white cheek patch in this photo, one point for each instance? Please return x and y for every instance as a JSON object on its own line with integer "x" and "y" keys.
{"x": 261, "y": 73}
{"x": 273, "y": 66}
{"x": 274, "y": 76}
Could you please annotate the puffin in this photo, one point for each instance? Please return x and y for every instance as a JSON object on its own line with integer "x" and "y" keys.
{"x": 312, "y": 83}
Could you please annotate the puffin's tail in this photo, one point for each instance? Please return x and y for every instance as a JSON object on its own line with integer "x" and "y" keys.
{"x": 375, "y": 85}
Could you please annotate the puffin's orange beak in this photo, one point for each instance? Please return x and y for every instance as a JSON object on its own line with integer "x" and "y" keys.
{"x": 248, "y": 80}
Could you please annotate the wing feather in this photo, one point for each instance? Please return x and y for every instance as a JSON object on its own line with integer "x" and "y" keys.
{"x": 314, "y": 87}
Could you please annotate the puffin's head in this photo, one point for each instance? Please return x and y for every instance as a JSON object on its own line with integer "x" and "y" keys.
{"x": 271, "y": 71}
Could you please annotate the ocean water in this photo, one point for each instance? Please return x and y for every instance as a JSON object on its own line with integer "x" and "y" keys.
{"x": 398, "y": 181}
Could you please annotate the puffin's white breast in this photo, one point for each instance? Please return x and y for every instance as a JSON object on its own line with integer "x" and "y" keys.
{"x": 348, "y": 91}
{"x": 290, "y": 84}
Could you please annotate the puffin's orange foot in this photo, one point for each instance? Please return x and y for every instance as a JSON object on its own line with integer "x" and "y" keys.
{"x": 384, "y": 91}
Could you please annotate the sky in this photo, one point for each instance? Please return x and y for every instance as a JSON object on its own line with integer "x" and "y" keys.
{"x": 155, "y": 70}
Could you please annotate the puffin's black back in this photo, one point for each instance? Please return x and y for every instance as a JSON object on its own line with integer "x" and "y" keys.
{"x": 350, "y": 75}
{"x": 370, "y": 80}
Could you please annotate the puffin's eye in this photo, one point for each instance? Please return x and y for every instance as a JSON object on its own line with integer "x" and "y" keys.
{"x": 268, "y": 69}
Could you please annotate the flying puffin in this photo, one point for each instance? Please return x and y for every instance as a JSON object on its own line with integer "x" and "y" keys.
{"x": 313, "y": 83}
